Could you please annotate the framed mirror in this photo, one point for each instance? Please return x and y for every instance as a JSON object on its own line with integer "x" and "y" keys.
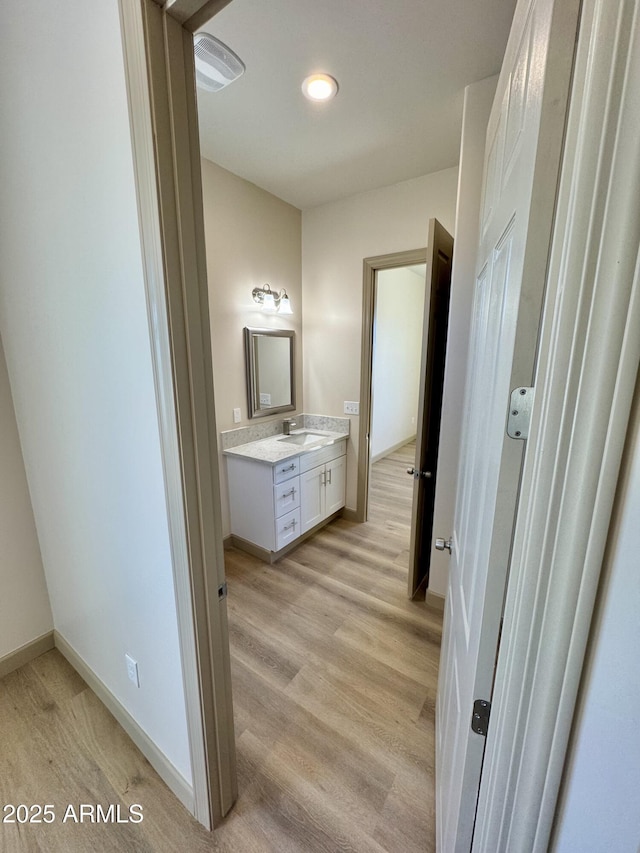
{"x": 270, "y": 366}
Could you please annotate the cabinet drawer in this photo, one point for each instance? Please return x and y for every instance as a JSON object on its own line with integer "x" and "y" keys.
{"x": 287, "y": 528}
{"x": 285, "y": 470}
{"x": 324, "y": 454}
{"x": 286, "y": 496}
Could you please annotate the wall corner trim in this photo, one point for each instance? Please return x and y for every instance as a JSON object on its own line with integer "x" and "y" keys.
{"x": 26, "y": 653}
{"x": 350, "y": 515}
{"x": 158, "y": 760}
{"x": 435, "y": 601}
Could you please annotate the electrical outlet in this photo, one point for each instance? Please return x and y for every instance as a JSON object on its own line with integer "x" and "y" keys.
{"x": 265, "y": 399}
{"x": 132, "y": 670}
{"x": 351, "y": 407}
{"x": 237, "y": 417}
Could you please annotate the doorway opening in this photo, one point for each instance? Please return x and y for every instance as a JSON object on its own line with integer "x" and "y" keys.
{"x": 402, "y": 379}
{"x": 397, "y": 348}
{"x": 373, "y": 268}
{"x": 187, "y": 292}
{"x": 397, "y": 334}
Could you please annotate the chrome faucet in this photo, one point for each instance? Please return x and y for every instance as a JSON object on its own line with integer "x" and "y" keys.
{"x": 287, "y": 423}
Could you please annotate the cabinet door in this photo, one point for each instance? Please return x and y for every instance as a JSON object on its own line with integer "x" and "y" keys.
{"x": 312, "y": 497}
{"x": 336, "y": 483}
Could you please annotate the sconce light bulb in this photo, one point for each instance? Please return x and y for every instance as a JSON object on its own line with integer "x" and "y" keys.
{"x": 285, "y": 305}
{"x": 269, "y": 303}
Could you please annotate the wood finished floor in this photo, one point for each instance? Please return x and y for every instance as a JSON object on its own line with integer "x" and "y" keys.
{"x": 334, "y": 678}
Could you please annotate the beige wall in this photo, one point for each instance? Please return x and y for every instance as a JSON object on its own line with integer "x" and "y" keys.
{"x": 335, "y": 239}
{"x": 25, "y": 613}
{"x": 252, "y": 238}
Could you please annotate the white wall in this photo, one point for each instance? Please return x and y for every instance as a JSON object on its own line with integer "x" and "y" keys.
{"x": 25, "y": 613}
{"x": 252, "y": 238}
{"x": 74, "y": 325}
{"x": 335, "y": 239}
{"x": 600, "y": 804}
{"x": 478, "y": 99}
{"x": 397, "y": 350}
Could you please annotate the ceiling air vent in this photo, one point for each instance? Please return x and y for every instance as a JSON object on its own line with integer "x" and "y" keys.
{"x": 216, "y": 64}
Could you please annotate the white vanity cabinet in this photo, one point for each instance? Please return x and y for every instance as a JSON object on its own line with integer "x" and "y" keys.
{"x": 322, "y": 486}
{"x": 272, "y": 505}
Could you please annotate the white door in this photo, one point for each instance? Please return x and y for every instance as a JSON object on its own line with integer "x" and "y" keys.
{"x": 522, "y": 159}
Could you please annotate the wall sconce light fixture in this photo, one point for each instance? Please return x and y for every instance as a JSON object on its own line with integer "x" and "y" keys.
{"x": 270, "y": 301}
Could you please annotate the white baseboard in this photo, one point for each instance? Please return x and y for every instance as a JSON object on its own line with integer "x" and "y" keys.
{"x": 390, "y": 450}
{"x": 25, "y": 654}
{"x": 158, "y": 760}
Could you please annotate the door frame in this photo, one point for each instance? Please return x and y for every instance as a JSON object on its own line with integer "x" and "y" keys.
{"x": 592, "y": 423}
{"x": 160, "y": 79}
{"x": 370, "y": 267}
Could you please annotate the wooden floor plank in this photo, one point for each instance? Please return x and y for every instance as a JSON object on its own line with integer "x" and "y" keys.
{"x": 47, "y": 764}
{"x": 363, "y": 698}
{"x": 334, "y": 676}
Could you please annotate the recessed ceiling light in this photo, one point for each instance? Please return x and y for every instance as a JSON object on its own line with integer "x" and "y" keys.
{"x": 320, "y": 87}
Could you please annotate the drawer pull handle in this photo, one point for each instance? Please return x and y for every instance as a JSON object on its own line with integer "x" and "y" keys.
{"x": 290, "y": 494}
{"x": 291, "y": 467}
{"x": 329, "y": 476}
{"x": 292, "y": 524}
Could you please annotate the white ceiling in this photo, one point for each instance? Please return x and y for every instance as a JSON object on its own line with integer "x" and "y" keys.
{"x": 402, "y": 66}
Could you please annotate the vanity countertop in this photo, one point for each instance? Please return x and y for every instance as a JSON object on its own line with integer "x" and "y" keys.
{"x": 277, "y": 447}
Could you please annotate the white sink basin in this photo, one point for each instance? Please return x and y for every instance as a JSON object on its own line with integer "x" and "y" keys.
{"x": 303, "y": 438}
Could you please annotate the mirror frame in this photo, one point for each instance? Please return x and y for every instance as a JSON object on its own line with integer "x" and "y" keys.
{"x": 253, "y": 399}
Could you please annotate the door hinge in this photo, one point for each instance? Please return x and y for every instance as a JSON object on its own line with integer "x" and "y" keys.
{"x": 480, "y": 717}
{"x": 520, "y": 405}
{"x": 222, "y": 591}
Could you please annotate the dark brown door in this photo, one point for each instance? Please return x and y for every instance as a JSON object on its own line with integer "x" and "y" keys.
{"x": 436, "y": 319}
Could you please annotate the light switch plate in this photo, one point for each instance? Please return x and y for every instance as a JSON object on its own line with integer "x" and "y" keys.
{"x": 237, "y": 417}
{"x": 351, "y": 407}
